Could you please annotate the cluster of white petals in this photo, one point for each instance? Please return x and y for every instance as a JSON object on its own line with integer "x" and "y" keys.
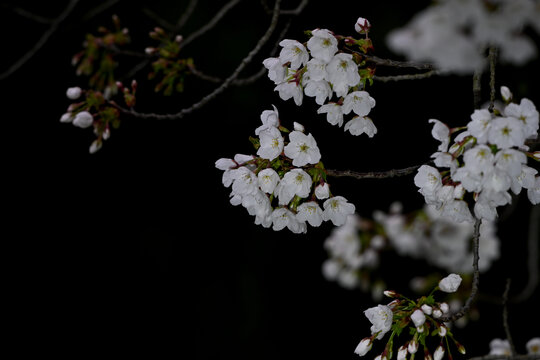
{"x": 318, "y": 69}
{"x": 281, "y": 173}
{"x": 355, "y": 252}
{"x": 454, "y": 34}
{"x": 489, "y": 160}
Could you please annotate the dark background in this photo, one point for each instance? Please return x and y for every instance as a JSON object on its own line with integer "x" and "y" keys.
{"x": 136, "y": 249}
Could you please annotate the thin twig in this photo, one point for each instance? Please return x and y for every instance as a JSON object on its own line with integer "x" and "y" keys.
{"x": 373, "y": 174}
{"x": 99, "y": 9}
{"x": 159, "y": 20}
{"x": 262, "y": 41}
{"x": 505, "y": 317}
{"x": 492, "y": 64}
{"x": 28, "y": 15}
{"x": 476, "y": 277}
{"x": 477, "y": 88}
{"x": 208, "y": 26}
{"x": 185, "y": 15}
{"x": 42, "y": 41}
{"x": 406, "y": 77}
{"x": 397, "y": 64}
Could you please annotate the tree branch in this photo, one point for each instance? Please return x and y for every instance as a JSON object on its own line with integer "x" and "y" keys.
{"x": 476, "y": 277}
{"x": 505, "y": 317}
{"x": 373, "y": 174}
{"x": 204, "y": 29}
{"x": 222, "y": 87}
{"x": 42, "y": 41}
{"x": 425, "y": 75}
{"x": 506, "y": 357}
{"x": 492, "y": 63}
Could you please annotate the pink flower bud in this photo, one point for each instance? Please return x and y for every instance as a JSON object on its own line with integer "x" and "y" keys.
{"x": 73, "y": 93}
{"x": 362, "y": 25}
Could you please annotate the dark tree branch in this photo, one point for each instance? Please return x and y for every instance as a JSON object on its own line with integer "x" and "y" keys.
{"x": 262, "y": 41}
{"x": 373, "y": 174}
{"x": 41, "y": 42}
{"x": 505, "y": 318}
{"x": 476, "y": 277}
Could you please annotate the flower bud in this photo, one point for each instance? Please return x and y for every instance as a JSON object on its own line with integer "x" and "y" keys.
{"x": 506, "y": 94}
{"x": 439, "y": 353}
{"x": 418, "y": 318}
{"x": 442, "y": 331}
{"x": 450, "y": 283}
{"x": 536, "y": 155}
{"x": 73, "y": 93}
{"x": 83, "y": 119}
{"x": 364, "y": 346}
{"x": 412, "y": 347}
{"x": 362, "y": 25}
{"x": 96, "y": 145}
{"x": 444, "y": 308}
{"x": 391, "y": 294}
{"x": 66, "y": 118}
{"x": 402, "y": 353}
{"x": 428, "y": 310}
{"x": 437, "y": 313}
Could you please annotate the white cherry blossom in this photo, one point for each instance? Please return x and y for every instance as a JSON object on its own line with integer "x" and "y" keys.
{"x": 334, "y": 113}
{"x": 322, "y": 45}
{"x": 359, "y": 125}
{"x": 359, "y": 102}
{"x": 294, "y": 182}
{"x": 293, "y": 52}
{"x": 268, "y": 180}
{"x": 342, "y": 73}
{"x": 271, "y": 143}
{"x": 302, "y": 149}
{"x": 337, "y": 209}
{"x": 380, "y": 317}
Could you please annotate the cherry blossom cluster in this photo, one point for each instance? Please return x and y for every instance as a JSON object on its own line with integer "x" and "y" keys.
{"x": 420, "y": 319}
{"x": 488, "y": 159}
{"x": 502, "y": 347}
{"x": 283, "y": 184}
{"x": 321, "y": 70}
{"x": 454, "y": 34}
{"x": 357, "y": 248}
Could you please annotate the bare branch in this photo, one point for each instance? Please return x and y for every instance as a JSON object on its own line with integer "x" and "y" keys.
{"x": 159, "y": 20}
{"x": 397, "y": 64}
{"x": 505, "y": 317}
{"x": 28, "y": 15}
{"x": 476, "y": 277}
{"x": 373, "y": 174}
{"x": 477, "y": 89}
{"x": 222, "y": 87}
{"x": 492, "y": 64}
{"x": 99, "y": 9}
{"x": 185, "y": 15}
{"x": 406, "y": 77}
{"x": 42, "y": 41}
{"x": 219, "y": 15}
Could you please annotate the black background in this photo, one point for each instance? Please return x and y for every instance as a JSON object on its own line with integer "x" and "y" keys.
{"x": 136, "y": 250}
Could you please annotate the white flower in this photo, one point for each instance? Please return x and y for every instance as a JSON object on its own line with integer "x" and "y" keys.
{"x": 359, "y": 102}
{"x": 380, "y": 317}
{"x": 298, "y": 127}
{"x": 479, "y": 159}
{"x": 359, "y": 125}
{"x": 510, "y": 161}
{"x": 362, "y": 25}
{"x": 73, "y": 93}
{"x": 83, "y": 119}
{"x": 533, "y": 346}
{"x": 268, "y": 180}
{"x": 283, "y": 217}
{"x": 316, "y": 70}
{"x": 527, "y": 113}
{"x": 440, "y": 132}
{"x": 321, "y": 90}
{"x": 342, "y": 73}
{"x": 443, "y": 331}
{"x": 258, "y": 205}
{"x": 499, "y": 347}
{"x": 506, "y": 132}
{"x": 450, "y": 283}
{"x": 289, "y": 90}
{"x": 418, "y": 318}
{"x": 337, "y": 209}
{"x": 479, "y": 126}
{"x": 533, "y": 193}
{"x": 402, "y": 353}
{"x": 294, "y": 182}
{"x": 243, "y": 158}
{"x": 245, "y": 181}
{"x": 276, "y": 71}
{"x": 322, "y": 191}
{"x": 294, "y": 53}
{"x": 428, "y": 179}
{"x": 310, "y": 212}
{"x": 439, "y": 353}
{"x": 271, "y": 143}
{"x": 363, "y": 346}
{"x": 334, "y": 113}
{"x": 322, "y": 45}
{"x": 269, "y": 118}
{"x": 302, "y": 149}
